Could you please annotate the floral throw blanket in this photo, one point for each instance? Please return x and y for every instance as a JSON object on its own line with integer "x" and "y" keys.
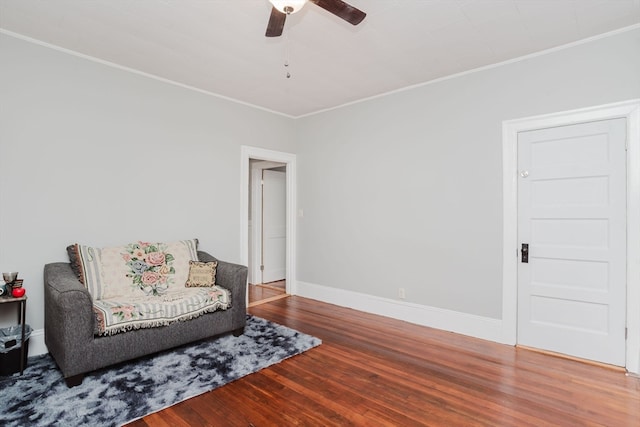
{"x": 138, "y": 268}
{"x": 116, "y": 315}
{"x": 142, "y": 284}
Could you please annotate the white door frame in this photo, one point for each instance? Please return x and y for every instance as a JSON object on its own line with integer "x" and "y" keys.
{"x": 510, "y": 129}
{"x": 246, "y": 153}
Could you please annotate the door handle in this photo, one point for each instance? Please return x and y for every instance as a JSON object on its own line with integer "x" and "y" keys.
{"x": 524, "y": 251}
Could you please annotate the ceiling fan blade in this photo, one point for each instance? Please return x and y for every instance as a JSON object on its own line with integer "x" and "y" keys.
{"x": 342, "y": 10}
{"x": 276, "y": 23}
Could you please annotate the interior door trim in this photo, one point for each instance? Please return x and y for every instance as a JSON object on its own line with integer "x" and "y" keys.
{"x": 246, "y": 153}
{"x": 510, "y": 129}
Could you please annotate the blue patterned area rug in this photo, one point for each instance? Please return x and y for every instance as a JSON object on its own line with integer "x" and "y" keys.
{"x": 120, "y": 394}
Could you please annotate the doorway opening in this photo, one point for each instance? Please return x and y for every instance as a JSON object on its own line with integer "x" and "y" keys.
{"x": 267, "y": 231}
{"x": 268, "y": 223}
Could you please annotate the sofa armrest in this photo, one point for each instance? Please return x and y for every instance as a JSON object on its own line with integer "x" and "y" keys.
{"x": 68, "y": 318}
{"x": 234, "y": 278}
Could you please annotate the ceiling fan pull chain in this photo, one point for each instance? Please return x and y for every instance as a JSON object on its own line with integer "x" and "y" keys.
{"x": 286, "y": 55}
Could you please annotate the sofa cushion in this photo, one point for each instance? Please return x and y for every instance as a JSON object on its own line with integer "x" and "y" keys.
{"x": 201, "y": 274}
{"x": 135, "y": 269}
{"x": 114, "y": 315}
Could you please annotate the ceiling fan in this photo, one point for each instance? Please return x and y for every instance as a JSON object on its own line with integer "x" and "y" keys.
{"x": 282, "y": 8}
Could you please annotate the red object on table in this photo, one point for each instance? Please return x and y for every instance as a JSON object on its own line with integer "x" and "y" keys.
{"x": 18, "y": 292}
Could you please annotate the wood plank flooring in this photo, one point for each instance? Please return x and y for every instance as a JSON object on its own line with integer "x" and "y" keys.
{"x": 375, "y": 371}
{"x": 266, "y": 292}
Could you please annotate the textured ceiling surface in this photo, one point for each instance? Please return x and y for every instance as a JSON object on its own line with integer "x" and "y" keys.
{"x": 219, "y": 46}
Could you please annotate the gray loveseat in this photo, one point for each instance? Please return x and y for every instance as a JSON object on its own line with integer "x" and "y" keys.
{"x": 70, "y": 323}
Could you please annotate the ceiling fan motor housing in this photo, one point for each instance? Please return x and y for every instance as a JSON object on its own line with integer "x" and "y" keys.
{"x": 288, "y": 6}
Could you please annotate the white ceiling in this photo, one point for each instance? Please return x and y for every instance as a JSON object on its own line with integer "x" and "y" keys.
{"x": 219, "y": 46}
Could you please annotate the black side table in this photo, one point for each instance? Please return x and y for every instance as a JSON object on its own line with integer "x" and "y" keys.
{"x": 22, "y": 312}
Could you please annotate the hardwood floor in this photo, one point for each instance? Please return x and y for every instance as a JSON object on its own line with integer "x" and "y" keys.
{"x": 261, "y": 293}
{"x": 375, "y": 371}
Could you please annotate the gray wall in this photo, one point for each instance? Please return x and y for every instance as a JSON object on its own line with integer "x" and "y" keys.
{"x": 406, "y": 190}
{"x": 101, "y": 156}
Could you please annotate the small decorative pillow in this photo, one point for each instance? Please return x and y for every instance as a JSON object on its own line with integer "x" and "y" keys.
{"x": 201, "y": 274}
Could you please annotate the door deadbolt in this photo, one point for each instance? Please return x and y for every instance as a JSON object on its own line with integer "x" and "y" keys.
{"x": 524, "y": 251}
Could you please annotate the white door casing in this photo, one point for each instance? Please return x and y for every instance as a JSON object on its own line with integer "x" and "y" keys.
{"x": 571, "y": 214}
{"x": 511, "y": 128}
{"x": 247, "y": 153}
{"x": 274, "y": 225}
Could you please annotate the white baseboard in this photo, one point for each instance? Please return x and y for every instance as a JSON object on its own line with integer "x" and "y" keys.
{"x": 462, "y": 323}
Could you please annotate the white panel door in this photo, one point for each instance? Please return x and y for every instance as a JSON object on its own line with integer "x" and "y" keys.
{"x": 274, "y": 225}
{"x": 572, "y": 213}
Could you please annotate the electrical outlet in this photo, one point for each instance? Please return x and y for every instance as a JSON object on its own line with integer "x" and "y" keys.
{"x": 401, "y": 293}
